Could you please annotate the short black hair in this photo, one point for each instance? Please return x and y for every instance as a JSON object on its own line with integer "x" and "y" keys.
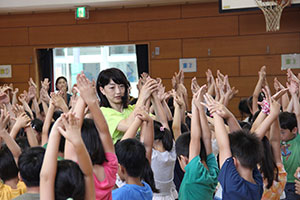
{"x": 69, "y": 181}
{"x": 8, "y": 166}
{"x": 163, "y": 134}
{"x": 182, "y": 146}
{"x": 131, "y": 155}
{"x": 56, "y": 82}
{"x": 118, "y": 77}
{"x": 37, "y": 125}
{"x": 287, "y": 120}
{"x": 246, "y": 147}
{"x": 30, "y": 164}
{"x": 92, "y": 141}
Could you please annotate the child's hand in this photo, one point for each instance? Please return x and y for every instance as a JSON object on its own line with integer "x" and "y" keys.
{"x": 45, "y": 84}
{"x": 4, "y": 119}
{"x": 148, "y": 88}
{"x": 4, "y": 98}
{"x": 277, "y": 85}
{"x": 58, "y": 101}
{"x": 199, "y": 96}
{"x": 23, "y": 120}
{"x": 215, "y": 107}
{"x": 72, "y": 131}
{"x": 297, "y": 182}
{"x": 143, "y": 115}
{"x": 22, "y": 97}
{"x": 262, "y": 73}
{"x": 293, "y": 87}
{"x": 18, "y": 109}
{"x": 194, "y": 86}
{"x": 86, "y": 88}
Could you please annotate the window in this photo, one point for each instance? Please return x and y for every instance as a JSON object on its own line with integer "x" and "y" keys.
{"x": 91, "y": 60}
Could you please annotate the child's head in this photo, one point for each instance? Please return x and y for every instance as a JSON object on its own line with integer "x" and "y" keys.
{"x": 104, "y": 79}
{"x": 131, "y": 155}
{"x": 182, "y": 146}
{"x": 37, "y": 126}
{"x": 164, "y": 135}
{"x": 92, "y": 141}
{"x": 69, "y": 181}
{"x": 30, "y": 164}
{"x": 288, "y": 125}
{"x": 246, "y": 148}
{"x": 8, "y": 167}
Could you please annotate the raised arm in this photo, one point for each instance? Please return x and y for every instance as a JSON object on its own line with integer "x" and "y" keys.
{"x": 47, "y": 123}
{"x": 195, "y": 145}
{"x": 275, "y": 140}
{"x": 49, "y": 166}
{"x": 206, "y": 134}
{"x": 88, "y": 93}
{"x": 147, "y": 133}
{"x": 293, "y": 89}
{"x": 220, "y": 131}
{"x": 258, "y": 87}
{"x": 176, "y": 125}
{"x": 145, "y": 92}
{"x": 72, "y": 133}
{"x": 9, "y": 141}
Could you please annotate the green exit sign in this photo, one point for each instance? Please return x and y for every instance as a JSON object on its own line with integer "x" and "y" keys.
{"x": 81, "y": 13}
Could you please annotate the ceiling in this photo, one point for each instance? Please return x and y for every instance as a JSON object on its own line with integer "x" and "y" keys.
{"x": 24, "y": 6}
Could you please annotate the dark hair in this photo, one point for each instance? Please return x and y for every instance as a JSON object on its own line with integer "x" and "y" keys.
{"x": 246, "y": 147}
{"x": 287, "y": 120}
{"x": 30, "y": 164}
{"x": 56, "y": 82}
{"x": 57, "y": 114}
{"x": 163, "y": 134}
{"x": 92, "y": 141}
{"x": 268, "y": 166}
{"x": 244, "y": 125}
{"x": 37, "y": 125}
{"x": 182, "y": 146}
{"x": 131, "y": 155}
{"x": 8, "y": 167}
{"x": 69, "y": 181}
{"x": 119, "y": 78}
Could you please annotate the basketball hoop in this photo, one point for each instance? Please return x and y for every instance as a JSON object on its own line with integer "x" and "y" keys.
{"x": 272, "y": 10}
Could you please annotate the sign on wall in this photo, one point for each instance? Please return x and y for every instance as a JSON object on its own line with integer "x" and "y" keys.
{"x": 188, "y": 64}
{"x": 291, "y": 61}
{"x": 5, "y": 71}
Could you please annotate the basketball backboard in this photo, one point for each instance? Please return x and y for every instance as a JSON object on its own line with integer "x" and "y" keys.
{"x": 242, "y": 5}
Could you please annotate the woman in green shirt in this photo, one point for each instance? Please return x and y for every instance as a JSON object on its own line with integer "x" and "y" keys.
{"x": 112, "y": 88}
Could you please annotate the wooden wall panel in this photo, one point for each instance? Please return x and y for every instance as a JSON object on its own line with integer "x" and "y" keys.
{"x": 132, "y": 14}
{"x": 207, "y": 10}
{"x": 168, "y": 29}
{"x": 16, "y": 55}
{"x": 21, "y": 86}
{"x": 167, "y": 67}
{"x": 241, "y": 45}
{"x": 164, "y": 68}
{"x": 13, "y": 36}
{"x": 20, "y": 73}
{"x": 41, "y": 19}
{"x": 255, "y": 24}
{"x": 78, "y": 34}
{"x": 227, "y": 65}
{"x": 168, "y": 49}
{"x": 250, "y": 65}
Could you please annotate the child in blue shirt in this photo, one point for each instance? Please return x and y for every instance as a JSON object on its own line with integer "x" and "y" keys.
{"x": 240, "y": 152}
{"x": 134, "y": 157}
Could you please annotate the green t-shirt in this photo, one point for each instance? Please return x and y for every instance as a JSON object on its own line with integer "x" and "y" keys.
{"x": 198, "y": 182}
{"x": 113, "y": 118}
{"x": 290, "y": 152}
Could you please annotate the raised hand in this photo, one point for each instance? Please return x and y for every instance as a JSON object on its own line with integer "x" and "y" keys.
{"x": 70, "y": 128}
{"x": 58, "y": 101}
{"x": 18, "y": 109}
{"x": 45, "y": 84}
{"x": 86, "y": 88}
{"x": 23, "y": 120}
{"x": 4, "y": 119}
{"x": 293, "y": 86}
{"x": 149, "y": 87}
{"x": 4, "y": 98}
{"x": 194, "y": 86}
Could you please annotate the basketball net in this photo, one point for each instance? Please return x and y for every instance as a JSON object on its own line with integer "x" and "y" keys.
{"x": 272, "y": 10}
